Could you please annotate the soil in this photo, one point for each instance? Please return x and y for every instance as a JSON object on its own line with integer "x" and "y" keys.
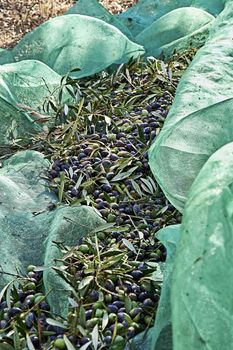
{"x": 17, "y": 17}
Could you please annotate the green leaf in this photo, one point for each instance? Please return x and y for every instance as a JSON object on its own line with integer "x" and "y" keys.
{"x": 16, "y": 338}
{"x": 82, "y": 316}
{"x": 55, "y": 323}
{"x": 75, "y": 70}
{"x": 41, "y": 268}
{"x": 141, "y": 134}
{"x": 8, "y": 296}
{"x": 95, "y": 337}
{"x": 6, "y": 347}
{"x": 79, "y": 181}
{"x": 107, "y": 120}
{"x": 71, "y": 172}
{"x": 115, "y": 330}
{"x": 72, "y": 94}
{"x": 85, "y": 282}
{"x": 68, "y": 343}
{"x": 148, "y": 184}
{"x": 163, "y": 67}
{"x": 110, "y": 252}
{"x": 128, "y": 304}
{"x": 5, "y": 288}
{"x": 29, "y": 343}
{"x": 104, "y": 320}
{"x": 102, "y": 228}
{"x": 120, "y": 229}
{"x": 85, "y": 346}
{"x": 153, "y": 183}
{"x": 124, "y": 175}
{"x": 129, "y": 245}
{"x": 145, "y": 188}
{"x": 61, "y": 186}
{"x": 72, "y": 302}
{"x": 136, "y": 188}
{"x": 66, "y": 109}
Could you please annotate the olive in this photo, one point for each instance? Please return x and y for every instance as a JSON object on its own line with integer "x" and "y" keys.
{"x": 132, "y": 296}
{"x": 108, "y": 298}
{"x": 94, "y": 295}
{"x": 44, "y": 306}
{"x": 109, "y": 285}
{"x": 29, "y": 320}
{"x": 112, "y": 308}
{"x": 84, "y": 340}
{"x": 14, "y": 311}
{"x": 30, "y": 286}
{"x": 60, "y": 344}
{"x": 99, "y": 313}
{"x": 142, "y": 296}
{"x": 98, "y": 305}
{"x": 118, "y": 304}
{"x": 118, "y": 339}
{"x": 137, "y": 274}
{"x": 38, "y": 299}
{"x": 134, "y": 312}
{"x": 108, "y": 339}
{"x": 120, "y": 328}
{"x": 3, "y": 324}
{"x": 148, "y": 302}
{"x": 83, "y": 248}
{"x": 131, "y": 332}
{"x": 88, "y": 314}
{"x": 3, "y": 305}
{"x": 92, "y": 322}
{"x": 32, "y": 274}
{"x": 112, "y": 317}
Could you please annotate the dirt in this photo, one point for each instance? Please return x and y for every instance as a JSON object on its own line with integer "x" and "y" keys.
{"x": 17, "y": 17}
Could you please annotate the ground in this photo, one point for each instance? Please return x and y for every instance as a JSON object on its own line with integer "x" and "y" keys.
{"x": 21, "y": 16}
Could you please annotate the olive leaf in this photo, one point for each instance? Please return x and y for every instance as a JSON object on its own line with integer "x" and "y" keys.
{"x": 55, "y": 323}
{"x": 68, "y": 343}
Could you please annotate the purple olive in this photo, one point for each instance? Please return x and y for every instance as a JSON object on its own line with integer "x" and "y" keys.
{"x": 137, "y": 274}
{"x": 112, "y": 308}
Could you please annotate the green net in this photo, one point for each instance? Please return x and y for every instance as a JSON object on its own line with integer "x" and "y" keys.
{"x": 68, "y": 42}
{"x": 159, "y": 337}
{"x": 28, "y": 226}
{"x": 201, "y": 288}
{"x": 5, "y": 56}
{"x": 199, "y": 121}
{"x": 93, "y": 8}
{"x": 198, "y": 124}
{"x": 24, "y": 87}
{"x": 68, "y": 225}
{"x": 176, "y": 30}
{"x": 145, "y": 12}
{"x": 181, "y": 153}
{"x": 162, "y": 330}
